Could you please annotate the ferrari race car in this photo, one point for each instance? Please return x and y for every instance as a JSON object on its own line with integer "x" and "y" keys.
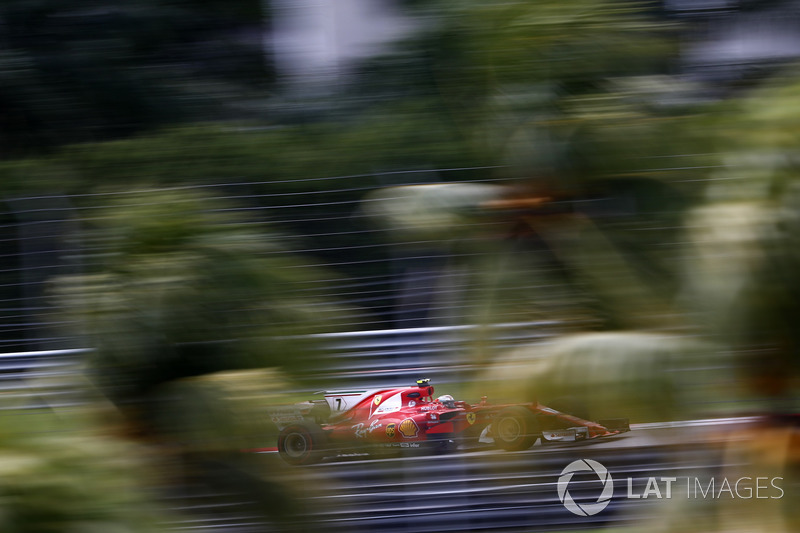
{"x": 410, "y": 417}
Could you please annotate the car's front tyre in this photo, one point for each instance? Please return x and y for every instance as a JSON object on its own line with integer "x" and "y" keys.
{"x": 515, "y": 428}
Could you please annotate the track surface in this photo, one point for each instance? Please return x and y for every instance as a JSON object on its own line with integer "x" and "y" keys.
{"x": 492, "y": 490}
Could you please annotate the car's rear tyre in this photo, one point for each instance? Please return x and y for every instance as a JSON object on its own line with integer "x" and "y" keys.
{"x": 301, "y": 444}
{"x": 515, "y": 428}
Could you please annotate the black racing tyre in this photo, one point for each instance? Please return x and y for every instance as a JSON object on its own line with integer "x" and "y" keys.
{"x": 301, "y": 444}
{"x": 515, "y": 428}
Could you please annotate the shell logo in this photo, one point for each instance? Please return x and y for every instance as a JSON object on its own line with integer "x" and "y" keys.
{"x": 390, "y": 429}
{"x": 377, "y": 399}
{"x": 408, "y": 428}
{"x": 471, "y": 418}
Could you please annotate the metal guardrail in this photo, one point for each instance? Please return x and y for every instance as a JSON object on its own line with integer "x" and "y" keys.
{"x": 32, "y": 380}
{"x": 373, "y": 358}
{"x": 396, "y": 357}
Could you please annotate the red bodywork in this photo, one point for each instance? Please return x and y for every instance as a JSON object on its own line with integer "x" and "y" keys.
{"x": 412, "y": 415}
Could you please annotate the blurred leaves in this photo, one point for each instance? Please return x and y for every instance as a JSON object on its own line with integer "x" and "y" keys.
{"x": 667, "y": 216}
{"x": 742, "y": 268}
{"x": 506, "y": 74}
{"x": 636, "y": 374}
{"x": 185, "y": 287}
{"x": 439, "y": 211}
{"x": 626, "y": 221}
{"x": 214, "y": 425}
{"x": 191, "y": 308}
{"x": 221, "y": 412}
{"x": 54, "y": 481}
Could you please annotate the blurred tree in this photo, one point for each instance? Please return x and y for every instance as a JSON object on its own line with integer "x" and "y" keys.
{"x": 63, "y": 484}
{"x": 182, "y": 286}
{"x": 179, "y": 289}
{"x": 89, "y": 70}
{"x": 572, "y": 100}
{"x": 742, "y": 270}
{"x": 287, "y": 170}
{"x": 502, "y": 73}
{"x": 575, "y": 100}
{"x": 59, "y": 473}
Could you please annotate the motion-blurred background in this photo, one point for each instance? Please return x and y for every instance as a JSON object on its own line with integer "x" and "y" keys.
{"x": 214, "y": 207}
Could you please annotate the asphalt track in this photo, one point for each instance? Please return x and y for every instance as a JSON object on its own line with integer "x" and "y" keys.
{"x": 493, "y": 490}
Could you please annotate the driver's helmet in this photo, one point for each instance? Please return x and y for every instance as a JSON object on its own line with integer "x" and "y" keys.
{"x": 447, "y": 400}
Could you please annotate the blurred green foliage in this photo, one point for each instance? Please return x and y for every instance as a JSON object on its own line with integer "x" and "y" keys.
{"x": 58, "y": 474}
{"x": 668, "y": 247}
{"x": 278, "y": 158}
{"x": 512, "y": 77}
{"x": 641, "y": 375}
{"x": 577, "y": 99}
{"x": 187, "y": 302}
{"x": 665, "y": 218}
{"x": 744, "y": 262}
{"x": 222, "y": 411}
{"x": 183, "y": 286}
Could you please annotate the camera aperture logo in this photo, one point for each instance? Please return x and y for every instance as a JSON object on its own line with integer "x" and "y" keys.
{"x": 744, "y": 487}
{"x": 585, "y": 509}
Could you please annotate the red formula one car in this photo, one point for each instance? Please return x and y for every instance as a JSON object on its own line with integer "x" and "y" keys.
{"x": 410, "y": 417}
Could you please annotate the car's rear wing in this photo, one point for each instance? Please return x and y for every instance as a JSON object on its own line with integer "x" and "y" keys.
{"x": 285, "y": 415}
